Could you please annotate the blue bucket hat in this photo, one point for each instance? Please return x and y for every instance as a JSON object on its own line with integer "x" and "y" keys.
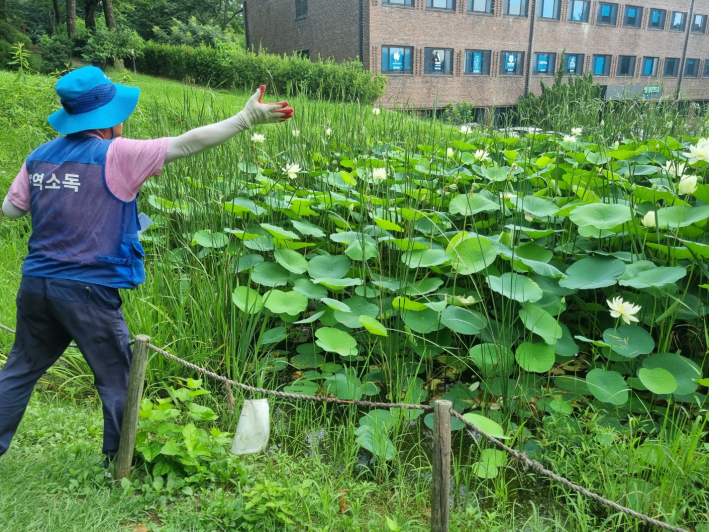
{"x": 91, "y": 101}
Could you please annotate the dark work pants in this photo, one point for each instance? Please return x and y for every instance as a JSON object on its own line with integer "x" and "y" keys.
{"x": 50, "y": 313}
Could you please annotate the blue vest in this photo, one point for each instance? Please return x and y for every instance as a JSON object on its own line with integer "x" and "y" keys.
{"x": 80, "y": 230}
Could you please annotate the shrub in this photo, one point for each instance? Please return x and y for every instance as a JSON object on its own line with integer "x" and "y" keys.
{"x": 228, "y": 66}
{"x": 190, "y": 33}
{"x": 9, "y": 36}
{"x": 105, "y": 47}
{"x": 56, "y": 53}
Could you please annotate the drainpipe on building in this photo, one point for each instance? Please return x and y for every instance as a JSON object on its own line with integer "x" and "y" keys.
{"x": 530, "y": 47}
{"x": 246, "y": 26}
{"x": 684, "y": 52}
{"x": 361, "y": 31}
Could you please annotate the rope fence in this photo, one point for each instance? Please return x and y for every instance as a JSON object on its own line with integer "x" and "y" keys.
{"x": 135, "y": 391}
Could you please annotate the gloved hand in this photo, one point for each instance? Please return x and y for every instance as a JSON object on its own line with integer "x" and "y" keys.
{"x": 256, "y": 112}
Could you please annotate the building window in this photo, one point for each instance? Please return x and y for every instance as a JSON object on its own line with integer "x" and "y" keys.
{"x": 303, "y": 54}
{"x": 574, "y": 64}
{"x": 481, "y": 6}
{"x": 477, "y": 62}
{"x": 633, "y": 16}
{"x": 699, "y": 24}
{"x": 399, "y": 2}
{"x": 691, "y": 68}
{"x": 438, "y": 61}
{"x": 544, "y": 64}
{"x": 511, "y": 63}
{"x": 678, "y": 21}
{"x": 626, "y": 65}
{"x": 657, "y": 19}
{"x": 518, "y": 8}
{"x": 549, "y": 9}
{"x": 706, "y": 68}
{"x": 301, "y": 8}
{"x": 441, "y": 4}
{"x": 650, "y": 66}
{"x": 579, "y": 10}
{"x": 397, "y": 59}
{"x": 607, "y": 14}
{"x": 671, "y": 67}
{"x": 601, "y": 65}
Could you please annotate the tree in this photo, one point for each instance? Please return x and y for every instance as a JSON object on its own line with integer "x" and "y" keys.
{"x": 71, "y": 17}
{"x": 57, "y": 15}
{"x": 90, "y": 14}
{"x": 108, "y": 13}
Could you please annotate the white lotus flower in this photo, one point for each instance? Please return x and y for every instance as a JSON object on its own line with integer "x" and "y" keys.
{"x": 649, "y": 219}
{"x": 674, "y": 168}
{"x": 295, "y": 133}
{"x": 616, "y": 145}
{"x": 449, "y": 152}
{"x": 258, "y": 138}
{"x": 481, "y": 155}
{"x": 576, "y": 131}
{"x": 376, "y": 111}
{"x": 623, "y": 309}
{"x": 569, "y": 138}
{"x": 379, "y": 174}
{"x": 466, "y": 130}
{"x": 328, "y": 132}
{"x": 292, "y": 170}
{"x": 688, "y": 184}
{"x": 528, "y": 217}
{"x": 697, "y": 153}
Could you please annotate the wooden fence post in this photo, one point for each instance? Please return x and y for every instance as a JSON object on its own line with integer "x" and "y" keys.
{"x": 129, "y": 427}
{"x": 440, "y": 490}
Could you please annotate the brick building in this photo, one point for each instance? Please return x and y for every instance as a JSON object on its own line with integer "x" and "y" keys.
{"x": 491, "y": 52}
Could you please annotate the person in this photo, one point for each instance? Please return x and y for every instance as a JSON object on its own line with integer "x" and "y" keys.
{"x": 81, "y": 190}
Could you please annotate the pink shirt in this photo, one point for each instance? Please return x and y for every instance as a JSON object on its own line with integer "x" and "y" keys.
{"x": 129, "y": 163}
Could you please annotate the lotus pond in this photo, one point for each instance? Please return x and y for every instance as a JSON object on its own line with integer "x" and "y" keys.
{"x": 553, "y": 286}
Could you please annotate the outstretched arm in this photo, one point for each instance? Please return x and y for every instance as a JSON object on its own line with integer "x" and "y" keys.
{"x": 9, "y": 210}
{"x": 203, "y": 138}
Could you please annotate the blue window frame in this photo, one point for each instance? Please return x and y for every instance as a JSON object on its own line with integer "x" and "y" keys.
{"x": 511, "y": 63}
{"x": 574, "y": 63}
{"x": 517, "y": 8}
{"x": 678, "y": 21}
{"x": 549, "y": 9}
{"x": 650, "y": 66}
{"x": 601, "y": 65}
{"x": 579, "y": 10}
{"x": 699, "y": 24}
{"x": 441, "y": 4}
{"x": 607, "y": 14}
{"x": 671, "y": 67}
{"x": 691, "y": 68}
{"x": 544, "y": 64}
{"x": 477, "y": 62}
{"x": 438, "y": 61}
{"x": 626, "y": 66}
{"x": 633, "y": 16}
{"x": 657, "y": 19}
{"x": 481, "y": 6}
{"x": 397, "y": 59}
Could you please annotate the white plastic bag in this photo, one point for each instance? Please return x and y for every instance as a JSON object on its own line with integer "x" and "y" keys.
{"x": 253, "y": 429}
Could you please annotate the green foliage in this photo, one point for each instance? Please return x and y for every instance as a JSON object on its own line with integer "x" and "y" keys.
{"x": 173, "y": 443}
{"x": 190, "y": 33}
{"x": 104, "y": 47}
{"x": 57, "y": 52}
{"x": 10, "y": 36}
{"x": 543, "y": 111}
{"x": 228, "y": 66}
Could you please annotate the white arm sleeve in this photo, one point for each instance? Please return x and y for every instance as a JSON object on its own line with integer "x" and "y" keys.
{"x": 203, "y": 138}
{"x": 10, "y": 210}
